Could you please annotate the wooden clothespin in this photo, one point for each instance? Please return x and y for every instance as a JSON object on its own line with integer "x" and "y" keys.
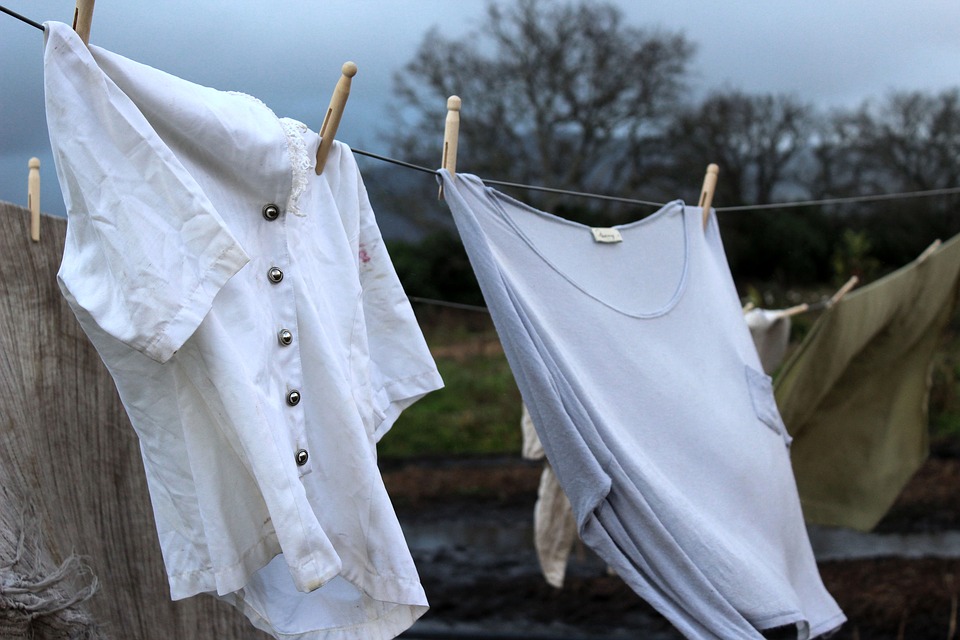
{"x": 789, "y": 312}
{"x": 33, "y": 198}
{"x": 331, "y": 121}
{"x": 929, "y": 251}
{"x": 83, "y": 19}
{"x": 842, "y": 291}
{"x": 706, "y": 192}
{"x": 451, "y": 136}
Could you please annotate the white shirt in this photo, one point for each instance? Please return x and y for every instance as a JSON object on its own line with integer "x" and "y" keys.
{"x": 257, "y": 333}
{"x": 646, "y": 391}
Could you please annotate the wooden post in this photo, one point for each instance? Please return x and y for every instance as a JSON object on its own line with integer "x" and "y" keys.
{"x": 33, "y": 198}
{"x": 331, "y": 121}
{"x": 706, "y": 192}
{"x": 451, "y": 137}
{"x": 83, "y": 19}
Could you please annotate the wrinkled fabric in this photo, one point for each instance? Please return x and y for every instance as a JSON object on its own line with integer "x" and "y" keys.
{"x": 770, "y": 330}
{"x": 854, "y": 394}
{"x": 259, "y": 450}
{"x": 645, "y": 390}
{"x": 554, "y": 526}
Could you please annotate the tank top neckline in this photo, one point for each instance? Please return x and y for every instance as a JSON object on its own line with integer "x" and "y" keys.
{"x": 665, "y": 215}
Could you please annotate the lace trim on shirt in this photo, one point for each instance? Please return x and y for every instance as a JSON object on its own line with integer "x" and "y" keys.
{"x": 300, "y": 164}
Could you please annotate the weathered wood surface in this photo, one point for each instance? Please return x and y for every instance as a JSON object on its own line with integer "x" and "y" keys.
{"x": 67, "y": 448}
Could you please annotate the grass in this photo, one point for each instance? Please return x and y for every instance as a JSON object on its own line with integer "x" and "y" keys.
{"x": 478, "y": 410}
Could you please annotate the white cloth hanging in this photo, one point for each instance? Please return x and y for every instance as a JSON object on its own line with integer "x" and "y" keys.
{"x": 257, "y": 333}
{"x": 770, "y": 330}
{"x": 646, "y": 392}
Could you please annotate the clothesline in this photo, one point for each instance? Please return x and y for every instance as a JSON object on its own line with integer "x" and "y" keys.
{"x": 865, "y": 198}
{"x": 21, "y": 18}
{"x": 634, "y": 201}
{"x": 747, "y": 207}
{"x": 452, "y": 305}
{"x": 500, "y": 183}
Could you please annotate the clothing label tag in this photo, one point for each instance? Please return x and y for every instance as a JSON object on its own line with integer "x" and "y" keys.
{"x": 605, "y": 234}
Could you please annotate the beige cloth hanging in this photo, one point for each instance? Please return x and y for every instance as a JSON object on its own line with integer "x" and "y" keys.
{"x": 854, "y": 394}
{"x": 554, "y": 525}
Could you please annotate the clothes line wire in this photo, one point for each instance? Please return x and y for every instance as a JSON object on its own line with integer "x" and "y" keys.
{"x": 451, "y": 305}
{"x": 21, "y": 18}
{"x": 840, "y": 200}
{"x": 401, "y": 163}
{"x": 608, "y": 198}
{"x": 530, "y": 187}
{"x": 746, "y": 207}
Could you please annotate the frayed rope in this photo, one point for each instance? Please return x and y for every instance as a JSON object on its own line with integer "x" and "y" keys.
{"x": 41, "y": 602}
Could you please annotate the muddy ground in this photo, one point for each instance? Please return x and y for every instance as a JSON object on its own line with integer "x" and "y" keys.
{"x": 468, "y": 523}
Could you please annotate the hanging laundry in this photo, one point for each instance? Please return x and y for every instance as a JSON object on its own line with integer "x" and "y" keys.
{"x": 631, "y": 353}
{"x": 854, "y": 395}
{"x": 770, "y": 330}
{"x": 256, "y": 331}
{"x": 554, "y": 527}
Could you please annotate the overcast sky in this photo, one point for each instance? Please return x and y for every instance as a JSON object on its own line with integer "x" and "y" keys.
{"x": 288, "y": 53}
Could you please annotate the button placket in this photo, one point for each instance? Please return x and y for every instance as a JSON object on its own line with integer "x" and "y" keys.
{"x": 287, "y": 354}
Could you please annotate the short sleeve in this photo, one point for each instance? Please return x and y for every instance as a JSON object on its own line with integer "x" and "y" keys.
{"x": 146, "y": 252}
{"x": 400, "y": 365}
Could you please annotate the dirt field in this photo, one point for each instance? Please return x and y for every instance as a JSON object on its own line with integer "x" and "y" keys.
{"x": 468, "y": 523}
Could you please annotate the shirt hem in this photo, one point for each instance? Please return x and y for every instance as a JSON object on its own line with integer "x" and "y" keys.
{"x": 830, "y": 624}
{"x": 230, "y": 579}
{"x": 395, "y": 396}
{"x": 390, "y": 625}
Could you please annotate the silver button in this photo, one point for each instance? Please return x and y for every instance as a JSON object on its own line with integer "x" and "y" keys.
{"x": 285, "y": 337}
{"x": 293, "y": 398}
{"x": 275, "y": 275}
{"x": 302, "y": 456}
{"x": 271, "y": 211}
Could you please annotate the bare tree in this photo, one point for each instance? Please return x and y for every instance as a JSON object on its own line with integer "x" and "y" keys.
{"x": 756, "y": 139}
{"x": 552, "y": 93}
{"x": 908, "y": 142}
